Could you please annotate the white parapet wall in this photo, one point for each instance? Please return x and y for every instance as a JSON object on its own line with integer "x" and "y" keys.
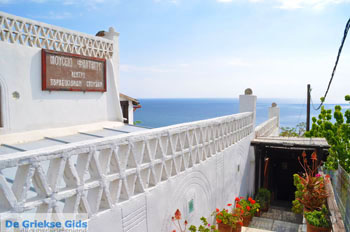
{"x": 268, "y": 128}
{"x": 24, "y": 105}
{"x": 135, "y": 182}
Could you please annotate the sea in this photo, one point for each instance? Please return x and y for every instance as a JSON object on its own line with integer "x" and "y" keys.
{"x": 164, "y": 112}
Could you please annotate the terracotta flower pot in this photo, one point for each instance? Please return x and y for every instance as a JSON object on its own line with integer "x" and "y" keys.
{"x": 224, "y": 228}
{"x": 311, "y": 228}
{"x": 238, "y": 228}
{"x": 246, "y": 220}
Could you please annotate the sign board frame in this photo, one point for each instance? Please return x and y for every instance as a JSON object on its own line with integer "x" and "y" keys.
{"x": 44, "y": 76}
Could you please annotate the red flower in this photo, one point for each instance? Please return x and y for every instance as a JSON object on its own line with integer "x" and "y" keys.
{"x": 242, "y": 211}
{"x": 240, "y": 223}
{"x": 303, "y": 154}
{"x": 174, "y": 230}
{"x": 186, "y": 222}
{"x": 237, "y": 199}
{"x": 218, "y": 220}
{"x": 229, "y": 204}
{"x": 253, "y": 202}
{"x": 250, "y": 199}
{"x": 314, "y": 156}
{"x": 238, "y": 206}
{"x": 177, "y": 214}
{"x": 248, "y": 207}
{"x": 328, "y": 176}
{"x": 226, "y": 210}
{"x": 217, "y": 210}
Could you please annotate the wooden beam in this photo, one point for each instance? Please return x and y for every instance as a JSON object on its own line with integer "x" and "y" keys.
{"x": 336, "y": 218}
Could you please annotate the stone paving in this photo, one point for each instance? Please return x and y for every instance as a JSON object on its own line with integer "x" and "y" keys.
{"x": 277, "y": 219}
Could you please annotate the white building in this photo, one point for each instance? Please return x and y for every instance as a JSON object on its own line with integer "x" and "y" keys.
{"x": 128, "y": 105}
{"x": 70, "y": 152}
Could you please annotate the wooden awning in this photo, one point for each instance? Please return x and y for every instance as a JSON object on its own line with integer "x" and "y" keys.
{"x": 133, "y": 100}
{"x": 301, "y": 142}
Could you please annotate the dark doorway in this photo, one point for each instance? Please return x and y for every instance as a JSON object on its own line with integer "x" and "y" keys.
{"x": 282, "y": 165}
{"x": 125, "y": 110}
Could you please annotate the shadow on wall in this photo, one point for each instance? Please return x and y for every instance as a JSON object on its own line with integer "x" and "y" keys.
{"x": 248, "y": 174}
{"x": 4, "y": 105}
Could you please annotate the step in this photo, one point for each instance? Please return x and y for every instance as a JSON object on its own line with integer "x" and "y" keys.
{"x": 249, "y": 229}
{"x": 268, "y": 224}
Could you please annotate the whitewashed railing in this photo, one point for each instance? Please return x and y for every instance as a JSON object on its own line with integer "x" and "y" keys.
{"x": 92, "y": 176}
{"x": 267, "y": 128}
{"x": 18, "y": 30}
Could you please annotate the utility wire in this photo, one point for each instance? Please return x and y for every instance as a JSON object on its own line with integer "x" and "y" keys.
{"x": 347, "y": 28}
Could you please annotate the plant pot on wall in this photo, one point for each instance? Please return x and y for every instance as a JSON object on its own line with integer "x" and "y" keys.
{"x": 246, "y": 220}
{"x": 224, "y": 228}
{"x": 311, "y": 228}
{"x": 238, "y": 228}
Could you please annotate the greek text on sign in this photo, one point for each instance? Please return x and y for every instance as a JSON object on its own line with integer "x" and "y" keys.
{"x": 71, "y": 72}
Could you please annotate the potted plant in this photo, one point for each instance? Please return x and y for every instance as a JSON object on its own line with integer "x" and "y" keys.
{"x": 255, "y": 208}
{"x": 318, "y": 220}
{"x": 263, "y": 197}
{"x": 311, "y": 193}
{"x": 205, "y": 227}
{"x": 176, "y": 221}
{"x": 237, "y": 217}
{"x": 248, "y": 209}
{"x": 228, "y": 220}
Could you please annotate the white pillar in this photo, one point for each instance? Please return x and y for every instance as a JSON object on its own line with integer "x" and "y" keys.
{"x": 247, "y": 103}
{"x": 274, "y": 111}
{"x": 113, "y": 66}
{"x": 131, "y": 113}
{"x": 111, "y": 34}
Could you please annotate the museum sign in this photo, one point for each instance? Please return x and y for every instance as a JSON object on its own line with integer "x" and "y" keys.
{"x": 71, "y": 72}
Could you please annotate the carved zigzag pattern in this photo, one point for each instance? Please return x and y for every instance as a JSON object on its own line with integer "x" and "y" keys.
{"x": 31, "y": 33}
{"x": 92, "y": 177}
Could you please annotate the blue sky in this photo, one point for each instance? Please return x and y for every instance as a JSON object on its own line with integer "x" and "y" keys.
{"x": 213, "y": 48}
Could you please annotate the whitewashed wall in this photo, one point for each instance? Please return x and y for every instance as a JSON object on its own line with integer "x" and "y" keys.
{"x": 135, "y": 182}
{"x": 213, "y": 183}
{"x": 20, "y": 71}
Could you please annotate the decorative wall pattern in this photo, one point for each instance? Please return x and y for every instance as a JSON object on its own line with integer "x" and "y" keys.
{"x": 18, "y": 30}
{"x": 92, "y": 176}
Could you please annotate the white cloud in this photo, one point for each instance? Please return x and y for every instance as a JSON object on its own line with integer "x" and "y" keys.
{"x": 136, "y": 68}
{"x": 5, "y": 1}
{"x": 295, "y": 4}
{"x": 53, "y": 15}
{"x": 237, "y": 62}
{"x": 90, "y": 4}
{"x": 171, "y": 1}
{"x": 314, "y": 4}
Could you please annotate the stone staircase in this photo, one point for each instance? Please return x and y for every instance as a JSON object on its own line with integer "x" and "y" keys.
{"x": 277, "y": 219}
{"x": 249, "y": 229}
